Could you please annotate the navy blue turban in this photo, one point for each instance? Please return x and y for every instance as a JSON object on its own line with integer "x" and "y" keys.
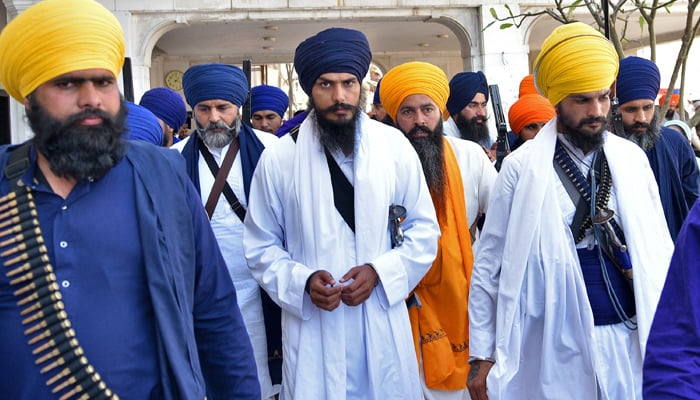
{"x": 167, "y": 105}
{"x": 637, "y": 79}
{"x": 265, "y": 97}
{"x": 143, "y": 125}
{"x": 376, "y": 99}
{"x": 332, "y": 50}
{"x": 463, "y": 87}
{"x": 215, "y": 81}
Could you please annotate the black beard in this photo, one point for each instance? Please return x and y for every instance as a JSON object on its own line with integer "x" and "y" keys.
{"x": 217, "y": 140}
{"x": 584, "y": 141}
{"x": 470, "y": 129}
{"x": 647, "y": 139}
{"x": 387, "y": 120}
{"x": 75, "y": 151}
{"x": 337, "y": 134}
{"x": 430, "y": 152}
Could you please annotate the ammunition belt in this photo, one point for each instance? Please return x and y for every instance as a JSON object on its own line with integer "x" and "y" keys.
{"x": 60, "y": 356}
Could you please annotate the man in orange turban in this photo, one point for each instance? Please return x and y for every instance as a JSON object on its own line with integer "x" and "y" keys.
{"x": 527, "y": 116}
{"x": 553, "y": 310}
{"x": 145, "y": 307}
{"x": 460, "y": 178}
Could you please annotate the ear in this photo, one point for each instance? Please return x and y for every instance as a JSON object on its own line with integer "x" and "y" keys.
{"x": 27, "y": 104}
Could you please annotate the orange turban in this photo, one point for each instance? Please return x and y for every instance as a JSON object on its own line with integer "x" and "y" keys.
{"x": 675, "y": 97}
{"x": 413, "y": 78}
{"x": 55, "y": 37}
{"x": 575, "y": 58}
{"x": 529, "y": 108}
{"x": 527, "y": 86}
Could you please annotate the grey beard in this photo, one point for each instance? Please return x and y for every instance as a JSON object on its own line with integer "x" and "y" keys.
{"x": 217, "y": 140}
{"x": 647, "y": 139}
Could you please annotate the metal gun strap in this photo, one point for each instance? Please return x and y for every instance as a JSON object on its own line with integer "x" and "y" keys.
{"x": 47, "y": 327}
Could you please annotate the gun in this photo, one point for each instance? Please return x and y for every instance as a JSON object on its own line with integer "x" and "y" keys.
{"x": 502, "y": 145}
{"x": 246, "y": 114}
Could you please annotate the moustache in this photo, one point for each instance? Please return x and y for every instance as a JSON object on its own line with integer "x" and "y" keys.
{"x": 585, "y": 121}
{"x": 90, "y": 113}
{"x": 418, "y": 129}
{"x": 338, "y": 107}
{"x": 640, "y": 125}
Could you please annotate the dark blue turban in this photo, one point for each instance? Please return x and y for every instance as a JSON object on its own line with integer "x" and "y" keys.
{"x": 265, "y": 97}
{"x": 463, "y": 87}
{"x": 167, "y": 105}
{"x": 637, "y": 79}
{"x": 332, "y": 50}
{"x": 215, "y": 81}
{"x": 143, "y": 125}
{"x": 376, "y": 99}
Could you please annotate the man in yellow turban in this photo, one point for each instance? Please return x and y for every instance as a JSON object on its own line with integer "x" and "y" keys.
{"x": 554, "y": 312}
{"x": 460, "y": 178}
{"x": 122, "y": 289}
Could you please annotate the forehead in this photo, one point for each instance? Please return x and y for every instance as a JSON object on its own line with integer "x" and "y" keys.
{"x": 590, "y": 95}
{"x": 336, "y": 77}
{"x": 479, "y": 97}
{"x": 417, "y": 100}
{"x": 215, "y": 103}
{"x": 637, "y": 103}
{"x": 266, "y": 113}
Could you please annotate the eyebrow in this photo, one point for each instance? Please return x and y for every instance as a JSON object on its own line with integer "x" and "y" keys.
{"x": 80, "y": 79}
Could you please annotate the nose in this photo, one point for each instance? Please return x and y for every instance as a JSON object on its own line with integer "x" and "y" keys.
{"x": 641, "y": 116}
{"x": 214, "y": 115}
{"x": 338, "y": 94}
{"x": 89, "y": 96}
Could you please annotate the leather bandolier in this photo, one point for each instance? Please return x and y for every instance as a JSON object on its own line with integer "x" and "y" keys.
{"x": 47, "y": 327}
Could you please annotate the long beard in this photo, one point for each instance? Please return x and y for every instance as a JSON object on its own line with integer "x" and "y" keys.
{"x": 583, "y": 140}
{"x": 337, "y": 134}
{"x": 471, "y": 129}
{"x": 76, "y": 151}
{"x": 218, "y": 134}
{"x": 646, "y": 139}
{"x": 430, "y": 152}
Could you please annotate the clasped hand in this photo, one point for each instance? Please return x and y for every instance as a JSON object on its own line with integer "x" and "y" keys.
{"x": 352, "y": 289}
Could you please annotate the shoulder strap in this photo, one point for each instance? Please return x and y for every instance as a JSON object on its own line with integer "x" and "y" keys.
{"x": 343, "y": 192}
{"x": 220, "y": 183}
{"x": 17, "y": 163}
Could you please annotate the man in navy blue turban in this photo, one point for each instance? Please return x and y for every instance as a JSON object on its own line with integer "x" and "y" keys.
{"x": 216, "y": 93}
{"x": 143, "y": 125}
{"x": 467, "y": 103}
{"x": 669, "y": 153}
{"x": 267, "y": 107}
{"x": 169, "y": 108}
{"x": 318, "y": 238}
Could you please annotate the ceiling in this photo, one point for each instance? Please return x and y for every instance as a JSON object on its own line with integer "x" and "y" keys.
{"x": 267, "y": 42}
{"x": 274, "y": 41}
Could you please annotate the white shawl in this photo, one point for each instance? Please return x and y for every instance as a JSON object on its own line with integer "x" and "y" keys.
{"x": 528, "y": 302}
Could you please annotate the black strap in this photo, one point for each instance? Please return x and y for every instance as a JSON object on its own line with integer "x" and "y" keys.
{"x": 233, "y": 201}
{"x": 343, "y": 192}
{"x": 17, "y": 163}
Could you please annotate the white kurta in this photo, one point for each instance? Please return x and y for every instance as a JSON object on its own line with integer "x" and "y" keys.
{"x": 478, "y": 176}
{"x": 228, "y": 230}
{"x": 293, "y": 229}
{"x": 528, "y": 304}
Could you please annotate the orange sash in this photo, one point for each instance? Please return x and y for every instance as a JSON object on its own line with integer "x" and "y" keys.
{"x": 441, "y": 326}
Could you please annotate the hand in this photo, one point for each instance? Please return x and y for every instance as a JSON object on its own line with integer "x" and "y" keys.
{"x": 324, "y": 293}
{"x": 476, "y": 382}
{"x": 365, "y": 279}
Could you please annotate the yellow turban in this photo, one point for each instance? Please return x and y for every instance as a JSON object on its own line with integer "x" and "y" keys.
{"x": 575, "y": 58}
{"x": 55, "y": 37}
{"x": 413, "y": 78}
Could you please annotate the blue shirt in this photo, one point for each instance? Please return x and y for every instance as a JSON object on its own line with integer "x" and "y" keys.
{"x": 79, "y": 231}
{"x": 144, "y": 285}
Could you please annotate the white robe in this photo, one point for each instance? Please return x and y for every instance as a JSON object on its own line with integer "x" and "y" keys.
{"x": 528, "y": 305}
{"x": 228, "y": 230}
{"x": 293, "y": 229}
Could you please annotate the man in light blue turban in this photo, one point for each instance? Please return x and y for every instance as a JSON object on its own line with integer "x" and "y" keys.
{"x": 216, "y": 93}
{"x": 670, "y": 156}
{"x": 267, "y": 107}
{"x": 318, "y": 239}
